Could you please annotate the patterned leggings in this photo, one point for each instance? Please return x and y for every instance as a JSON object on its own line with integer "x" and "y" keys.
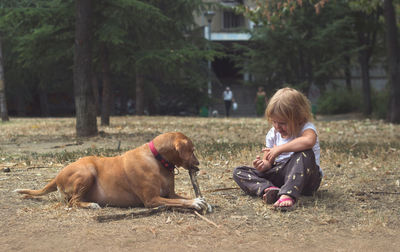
{"x": 298, "y": 175}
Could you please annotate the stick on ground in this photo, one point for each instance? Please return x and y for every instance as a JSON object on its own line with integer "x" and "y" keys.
{"x": 134, "y": 214}
{"x": 138, "y": 213}
{"x": 207, "y": 220}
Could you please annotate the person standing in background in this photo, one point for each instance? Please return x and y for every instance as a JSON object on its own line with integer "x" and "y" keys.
{"x": 261, "y": 101}
{"x": 228, "y": 99}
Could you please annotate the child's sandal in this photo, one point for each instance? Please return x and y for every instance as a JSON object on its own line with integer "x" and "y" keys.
{"x": 271, "y": 194}
{"x": 285, "y": 208}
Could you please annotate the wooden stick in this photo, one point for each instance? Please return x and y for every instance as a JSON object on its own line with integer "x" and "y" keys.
{"x": 205, "y": 219}
{"x": 195, "y": 184}
{"x": 134, "y": 214}
{"x": 384, "y": 192}
{"x": 222, "y": 189}
{"x": 66, "y": 145}
{"x": 138, "y": 213}
{"x": 37, "y": 167}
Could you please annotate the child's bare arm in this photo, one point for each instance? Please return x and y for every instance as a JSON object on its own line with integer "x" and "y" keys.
{"x": 306, "y": 141}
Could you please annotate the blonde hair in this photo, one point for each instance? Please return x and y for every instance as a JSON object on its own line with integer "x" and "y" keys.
{"x": 291, "y": 106}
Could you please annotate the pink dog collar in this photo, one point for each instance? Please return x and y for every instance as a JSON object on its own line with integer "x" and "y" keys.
{"x": 160, "y": 158}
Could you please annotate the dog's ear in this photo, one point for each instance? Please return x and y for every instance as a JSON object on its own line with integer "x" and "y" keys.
{"x": 182, "y": 146}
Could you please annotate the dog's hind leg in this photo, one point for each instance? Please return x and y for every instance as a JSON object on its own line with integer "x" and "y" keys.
{"x": 80, "y": 187}
{"x": 83, "y": 204}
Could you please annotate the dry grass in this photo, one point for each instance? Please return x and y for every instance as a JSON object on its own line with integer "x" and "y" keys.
{"x": 356, "y": 208}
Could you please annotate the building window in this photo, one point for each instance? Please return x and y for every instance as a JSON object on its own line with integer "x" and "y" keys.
{"x": 232, "y": 20}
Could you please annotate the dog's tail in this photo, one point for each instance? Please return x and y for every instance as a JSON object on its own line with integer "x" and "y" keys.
{"x": 50, "y": 187}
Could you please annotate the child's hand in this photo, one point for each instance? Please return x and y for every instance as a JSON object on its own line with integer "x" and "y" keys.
{"x": 271, "y": 153}
{"x": 261, "y": 165}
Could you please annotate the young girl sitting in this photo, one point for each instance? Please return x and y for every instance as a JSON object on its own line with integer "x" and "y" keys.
{"x": 290, "y": 165}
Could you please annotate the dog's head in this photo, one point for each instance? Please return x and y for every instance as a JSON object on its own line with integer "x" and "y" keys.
{"x": 177, "y": 149}
{"x": 185, "y": 149}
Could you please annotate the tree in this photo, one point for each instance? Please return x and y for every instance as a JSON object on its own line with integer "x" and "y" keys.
{"x": 106, "y": 80}
{"x": 393, "y": 53}
{"x": 139, "y": 92}
{"x": 38, "y": 52}
{"x": 366, "y": 27}
{"x": 299, "y": 47}
{"x": 162, "y": 57}
{"x": 117, "y": 29}
{"x": 274, "y": 9}
{"x": 86, "y": 123}
{"x": 155, "y": 39}
{"x": 155, "y": 36}
{"x": 3, "y": 101}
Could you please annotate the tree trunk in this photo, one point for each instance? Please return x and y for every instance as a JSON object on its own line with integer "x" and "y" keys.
{"x": 95, "y": 87}
{"x": 310, "y": 76}
{"x": 367, "y": 32}
{"x": 123, "y": 104}
{"x": 347, "y": 72}
{"x": 393, "y": 61}
{"x": 139, "y": 94}
{"x": 366, "y": 85}
{"x": 3, "y": 101}
{"x": 86, "y": 124}
{"x": 302, "y": 67}
{"x": 44, "y": 104}
{"x": 107, "y": 93}
{"x": 21, "y": 106}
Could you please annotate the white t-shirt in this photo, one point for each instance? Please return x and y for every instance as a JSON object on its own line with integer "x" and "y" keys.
{"x": 228, "y": 95}
{"x": 274, "y": 138}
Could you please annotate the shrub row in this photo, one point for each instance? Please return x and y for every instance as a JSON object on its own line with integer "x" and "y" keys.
{"x": 341, "y": 101}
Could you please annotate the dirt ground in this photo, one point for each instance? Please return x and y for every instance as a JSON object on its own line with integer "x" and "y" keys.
{"x": 356, "y": 208}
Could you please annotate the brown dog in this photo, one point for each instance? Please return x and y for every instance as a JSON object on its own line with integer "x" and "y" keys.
{"x": 142, "y": 176}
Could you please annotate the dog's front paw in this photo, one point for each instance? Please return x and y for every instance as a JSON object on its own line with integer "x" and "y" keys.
{"x": 199, "y": 203}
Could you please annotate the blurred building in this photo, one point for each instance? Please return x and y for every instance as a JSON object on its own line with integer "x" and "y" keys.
{"x": 225, "y": 26}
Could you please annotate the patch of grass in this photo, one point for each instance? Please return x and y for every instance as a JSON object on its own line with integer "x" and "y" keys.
{"x": 212, "y": 149}
{"x": 58, "y": 157}
{"x": 70, "y": 156}
{"x": 358, "y": 149}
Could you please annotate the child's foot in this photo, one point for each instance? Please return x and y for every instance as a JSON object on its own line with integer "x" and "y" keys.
{"x": 284, "y": 203}
{"x": 271, "y": 194}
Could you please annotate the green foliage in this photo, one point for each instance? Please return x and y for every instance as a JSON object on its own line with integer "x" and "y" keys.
{"x": 147, "y": 35}
{"x": 157, "y": 38}
{"x": 366, "y": 6}
{"x": 38, "y": 39}
{"x": 338, "y": 101}
{"x": 380, "y": 103}
{"x": 160, "y": 43}
{"x": 303, "y": 49}
{"x": 42, "y": 34}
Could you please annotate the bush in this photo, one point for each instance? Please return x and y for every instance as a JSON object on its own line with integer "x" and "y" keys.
{"x": 339, "y": 101}
{"x": 380, "y": 103}
{"x": 343, "y": 101}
